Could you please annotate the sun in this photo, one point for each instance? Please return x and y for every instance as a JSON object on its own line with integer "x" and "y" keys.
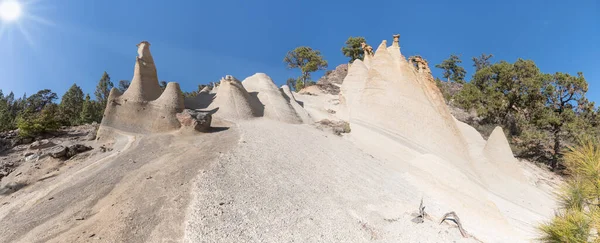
{"x": 10, "y": 10}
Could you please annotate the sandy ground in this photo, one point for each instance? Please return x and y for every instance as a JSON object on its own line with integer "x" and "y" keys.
{"x": 293, "y": 183}
{"x": 261, "y": 180}
{"x": 136, "y": 193}
{"x": 264, "y": 181}
{"x": 497, "y": 200}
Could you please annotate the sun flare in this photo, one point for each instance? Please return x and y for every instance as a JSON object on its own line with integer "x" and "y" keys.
{"x": 10, "y": 10}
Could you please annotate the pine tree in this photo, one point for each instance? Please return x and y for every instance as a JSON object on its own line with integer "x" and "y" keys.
{"x": 563, "y": 94}
{"x": 353, "y": 48}
{"x": 88, "y": 111}
{"x": 452, "y": 70}
{"x": 308, "y": 60}
{"x": 103, "y": 90}
{"x": 71, "y": 105}
{"x": 6, "y": 119}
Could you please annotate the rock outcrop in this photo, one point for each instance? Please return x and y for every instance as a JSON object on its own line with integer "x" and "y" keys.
{"x": 234, "y": 102}
{"x": 65, "y": 152}
{"x": 276, "y": 106}
{"x": 195, "y": 120}
{"x": 498, "y": 152}
{"x": 333, "y": 79}
{"x": 385, "y": 92}
{"x": 300, "y": 111}
{"x": 144, "y": 107}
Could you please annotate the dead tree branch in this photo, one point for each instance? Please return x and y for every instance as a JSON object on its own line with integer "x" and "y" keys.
{"x": 456, "y": 220}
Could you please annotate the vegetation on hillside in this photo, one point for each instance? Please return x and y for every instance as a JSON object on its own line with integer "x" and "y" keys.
{"x": 542, "y": 113}
{"x": 39, "y": 113}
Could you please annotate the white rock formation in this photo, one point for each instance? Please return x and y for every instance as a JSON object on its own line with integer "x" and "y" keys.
{"x": 234, "y": 102}
{"x": 276, "y": 106}
{"x": 300, "y": 111}
{"x": 144, "y": 107}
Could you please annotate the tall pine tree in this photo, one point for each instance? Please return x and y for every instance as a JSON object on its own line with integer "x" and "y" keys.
{"x": 71, "y": 105}
{"x": 102, "y": 92}
{"x": 89, "y": 111}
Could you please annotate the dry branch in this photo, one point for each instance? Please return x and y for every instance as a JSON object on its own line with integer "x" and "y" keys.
{"x": 456, "y": 220}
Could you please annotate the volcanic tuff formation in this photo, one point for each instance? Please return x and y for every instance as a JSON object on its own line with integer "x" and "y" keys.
{"x": 396, "y": 98}
{"x": 143, "y": 107}
{"x": 234, "y": 102}
{"x": 276, "y": 106}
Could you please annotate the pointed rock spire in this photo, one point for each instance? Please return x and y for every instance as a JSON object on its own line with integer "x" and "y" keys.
{"x": 396, "y": 40}
{"x": 144, "y": 85}
{"x": 172, "y": 97}
{"x": 382, "y": 47}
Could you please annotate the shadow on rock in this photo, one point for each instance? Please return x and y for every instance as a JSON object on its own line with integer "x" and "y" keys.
{"x": 11, "y": 188}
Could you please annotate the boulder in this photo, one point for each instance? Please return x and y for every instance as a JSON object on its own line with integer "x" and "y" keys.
{"x": 58, "y": 151}
{"x": 31, "y": 157}
{"x": 26, "y": 140}
{"x": 5, "y": 144}
{"x": 68, "y": 152}
{"x": 90, "y": 136}
{"x": 195, "y": 119}
{"x": 41, "y": 144}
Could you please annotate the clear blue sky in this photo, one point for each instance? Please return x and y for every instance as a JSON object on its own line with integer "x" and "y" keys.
{"x": 193, "y": 42}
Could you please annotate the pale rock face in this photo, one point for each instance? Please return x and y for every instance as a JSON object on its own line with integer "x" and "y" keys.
{"x": 205, "y": 90}
{"x": 300, "y": 111}
{"x": 276, "y": 106}
{"x": 388, "y": 95}
{"x": 397, "y": 102}
{"x": 144, "y": 84}
{"x": 498, "y": 151}
{"x": 234, "y": 102}
{"x": 143, "y": 108}
{"x": 352, "y": 87}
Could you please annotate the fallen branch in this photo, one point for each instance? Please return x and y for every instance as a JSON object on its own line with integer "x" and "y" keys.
{"x": 456, "y": 220}
{"x": 421, "y": 216}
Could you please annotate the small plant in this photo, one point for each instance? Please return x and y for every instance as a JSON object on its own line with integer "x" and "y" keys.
{"x": 346, "y": 127}
{"x": 578, "y": 219}
{"x": 31, "y": 125}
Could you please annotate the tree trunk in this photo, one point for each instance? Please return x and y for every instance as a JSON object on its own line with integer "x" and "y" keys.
{"x": 554, "y": 162}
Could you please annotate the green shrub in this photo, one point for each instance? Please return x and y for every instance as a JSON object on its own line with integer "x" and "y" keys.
{"x": 569, "y": 226}
{"x": 468, "y": 98}
{"x": 299, "y": 85}
{"x": 32, "y": 124}
{"x": 578, "y": 219}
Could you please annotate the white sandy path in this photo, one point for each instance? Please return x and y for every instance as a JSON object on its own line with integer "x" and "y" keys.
{"x": 292, "y": 183}
{"x": 139, "y": 192}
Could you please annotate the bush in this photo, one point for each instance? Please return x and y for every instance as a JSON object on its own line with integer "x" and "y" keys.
{"x": 31, "y": 124}
{"x": 578, "y": 219}
{"x": 299, "y": 85}
{"x": 468, "y": 97}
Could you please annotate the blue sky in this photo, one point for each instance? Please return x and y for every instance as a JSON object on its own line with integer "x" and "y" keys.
{"x": 194, "y": 42}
